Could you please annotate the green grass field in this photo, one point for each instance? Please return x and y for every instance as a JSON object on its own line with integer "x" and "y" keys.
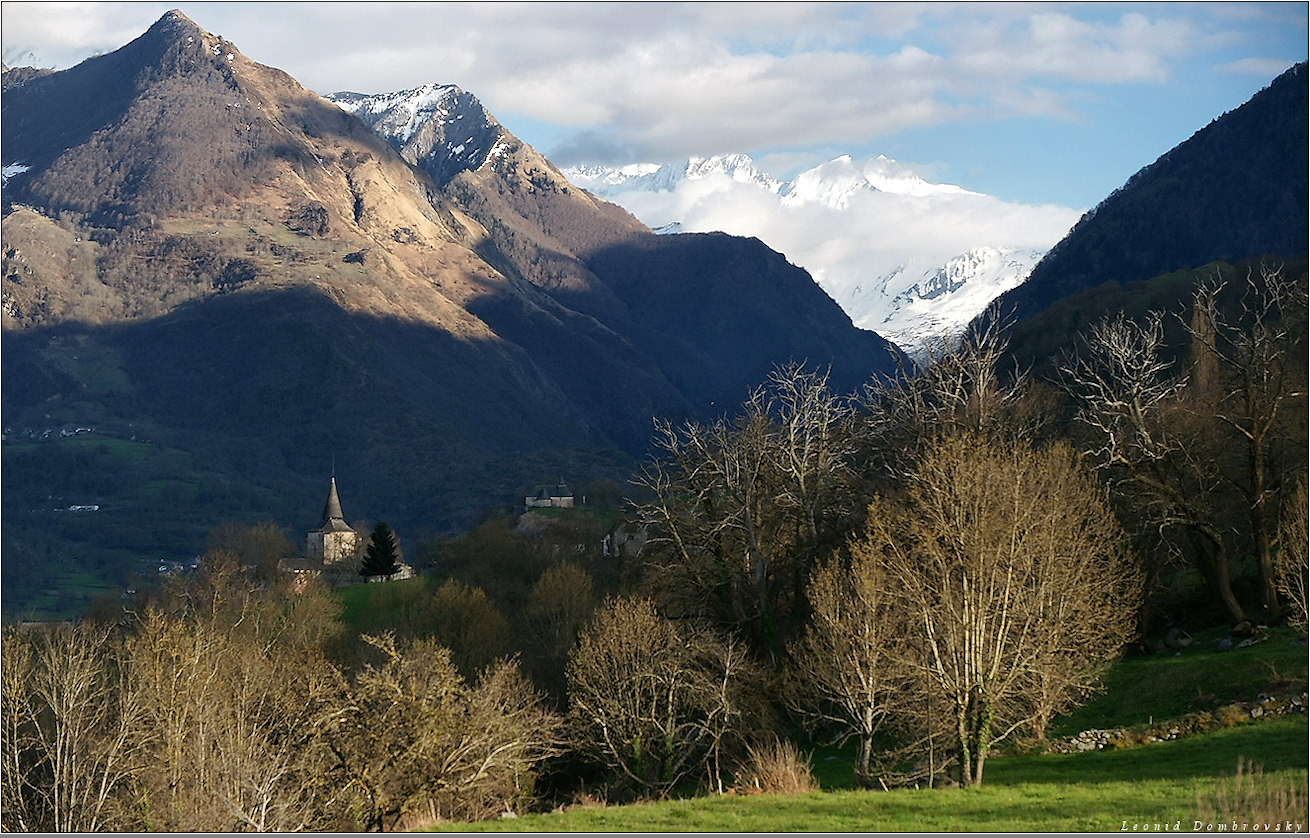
{"x": 1164, "y": 783}
{"x": 1166, "y": 686}
{"x": 1090, "y": 792}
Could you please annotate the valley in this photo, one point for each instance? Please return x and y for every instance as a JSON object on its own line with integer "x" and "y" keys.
{"x": 659, "y": 497}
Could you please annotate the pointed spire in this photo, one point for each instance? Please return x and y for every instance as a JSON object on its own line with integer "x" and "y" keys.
{"x": 333, "y": 518}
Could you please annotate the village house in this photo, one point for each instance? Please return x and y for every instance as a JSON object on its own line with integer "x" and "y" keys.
{"x": 627, "y": 539}
{"x": 558, "y": 496}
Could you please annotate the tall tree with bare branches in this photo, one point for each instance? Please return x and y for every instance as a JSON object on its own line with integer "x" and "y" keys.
{"x": 658, "y": 702}
{"x": 1292, "y": 562}
{"x": 1012, "y": 569}
{"x": 846, "y": 670}
{"x": 1181, "y": 449}
{"x": 1254, "y": 354}
{"x": 71, "y": 729}
{"x": 743, "y": 506}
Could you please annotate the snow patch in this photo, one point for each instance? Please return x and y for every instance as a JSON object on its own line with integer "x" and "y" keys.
{"x": 406, "y": 110}
{"x": 12, "y": 170}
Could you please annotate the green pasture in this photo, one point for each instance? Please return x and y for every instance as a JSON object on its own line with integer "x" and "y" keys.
{"x": 1157, "y": 783}
{"x": 1168, "y": 685}
{"x": 1088, "y": 792}
{"x": 375, "y": 607}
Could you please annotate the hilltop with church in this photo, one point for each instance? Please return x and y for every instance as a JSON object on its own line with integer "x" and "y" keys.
{"x": 334, "y": 549}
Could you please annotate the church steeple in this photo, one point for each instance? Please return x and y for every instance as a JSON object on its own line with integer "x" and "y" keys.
{"x": 334, "y": 520}
{"x": 332, "y": 509}
{"x": 333, "y": 540}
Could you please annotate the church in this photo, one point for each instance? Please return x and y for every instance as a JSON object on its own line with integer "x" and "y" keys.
{"x": 333, "y": 549}
{"x": 333, "y": 540}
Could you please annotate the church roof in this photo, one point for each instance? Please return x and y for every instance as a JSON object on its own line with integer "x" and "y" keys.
{"x": 559, "y": 490}
{"x": 333, "y": 518}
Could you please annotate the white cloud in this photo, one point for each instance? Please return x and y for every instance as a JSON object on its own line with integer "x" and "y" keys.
{"x": 1264, "y": 67}
{"x": 1056, "y": 45}
{"x": 668, "y": 80}
{"x": 869, "y": 247}
{"x": 60, "y": 35}
{"x": 874, "y": 231}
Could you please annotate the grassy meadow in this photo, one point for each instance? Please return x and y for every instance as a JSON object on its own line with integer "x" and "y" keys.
{"x": 1165, "y": 782}
{"x": 1153, "y": 786}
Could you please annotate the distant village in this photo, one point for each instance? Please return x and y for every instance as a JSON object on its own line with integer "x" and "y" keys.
{"x": 332, "y": 550}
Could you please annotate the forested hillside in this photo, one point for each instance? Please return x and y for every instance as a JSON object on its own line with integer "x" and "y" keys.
{"x": 1234, "y": 190}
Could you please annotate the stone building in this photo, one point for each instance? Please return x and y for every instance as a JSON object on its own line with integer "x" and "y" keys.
{"x": 559, "y": 496}
{"x": 333, "y": 540}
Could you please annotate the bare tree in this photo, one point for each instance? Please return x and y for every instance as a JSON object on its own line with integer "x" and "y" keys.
{"x": 1255, "y": 365}
{"x": 1013, "y": 570}
{"x": 231, "y": 677}
{"x": 1149, "y": 445}
{"x": 742, "y": 506}
{"x": 958, "y": 387}
{"x": 1292, "y": 562}
{"x": 1183, "y": 451}
{"x": 262, "y": 545}
{"x": 411, "y": 739}
{"x": 20, "y": 810}
{"x": 656, "y": 702}
{"x": 465, "y": 621}
{"x": 846, "y": 664}
{"x": 562, "y": 601}
{"x": 69, "y": 720}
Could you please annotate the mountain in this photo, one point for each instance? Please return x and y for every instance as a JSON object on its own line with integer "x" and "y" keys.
{"x": 944, "y": 300}
{"x": 655, "y": 177}
{"x": 1236, "y": 189}
{"x": 217, "y": 282}
{"x": 442, "y": 126}
{"x": 876, "y": 236}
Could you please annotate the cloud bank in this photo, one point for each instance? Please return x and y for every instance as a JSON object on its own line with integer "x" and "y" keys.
{"x": 866, "y": 230}
{"x": 624, "y": 82}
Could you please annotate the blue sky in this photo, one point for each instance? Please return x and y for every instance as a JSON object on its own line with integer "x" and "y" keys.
{"x": 1038, "y": 103}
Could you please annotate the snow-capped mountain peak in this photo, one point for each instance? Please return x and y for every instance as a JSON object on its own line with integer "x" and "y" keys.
{"x": 905, "y": 257}
{"x": 400, "y": 114}
{"x": 654, "y": 177}
{"x": 609, "y": 175}
{"x": 944, "y": 299}
{"x": 832, "y": 184}
{"x": 886, "y": 175}
{"x": 440, "y": 124}
{"x": 740, "y": 167}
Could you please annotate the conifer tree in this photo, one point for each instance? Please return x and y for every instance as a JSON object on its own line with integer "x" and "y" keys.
{"x": 382, "y": 553}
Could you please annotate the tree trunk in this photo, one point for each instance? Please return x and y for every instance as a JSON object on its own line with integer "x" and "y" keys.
{"x": 979, "y": 733}
{"x": 1214, "y": 567}
{"x": 863, "y": 776}
{"x": 1261, "y": 525}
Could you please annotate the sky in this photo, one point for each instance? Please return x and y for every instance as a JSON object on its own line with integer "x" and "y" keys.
{"x": 1030, "y": 102}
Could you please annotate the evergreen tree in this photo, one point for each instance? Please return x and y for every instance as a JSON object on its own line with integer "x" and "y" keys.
{"x": 380, "y": 558}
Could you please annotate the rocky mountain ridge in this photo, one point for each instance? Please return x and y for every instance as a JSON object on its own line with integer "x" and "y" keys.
{"x": 203, "y": 257}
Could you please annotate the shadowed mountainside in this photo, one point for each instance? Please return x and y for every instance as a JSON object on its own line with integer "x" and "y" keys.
{"x": 233, "y": 282}
{"x": 1235, "y": 190}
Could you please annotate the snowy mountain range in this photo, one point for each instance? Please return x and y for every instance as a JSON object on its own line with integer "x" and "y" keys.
{"x": 905, "y": 257}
